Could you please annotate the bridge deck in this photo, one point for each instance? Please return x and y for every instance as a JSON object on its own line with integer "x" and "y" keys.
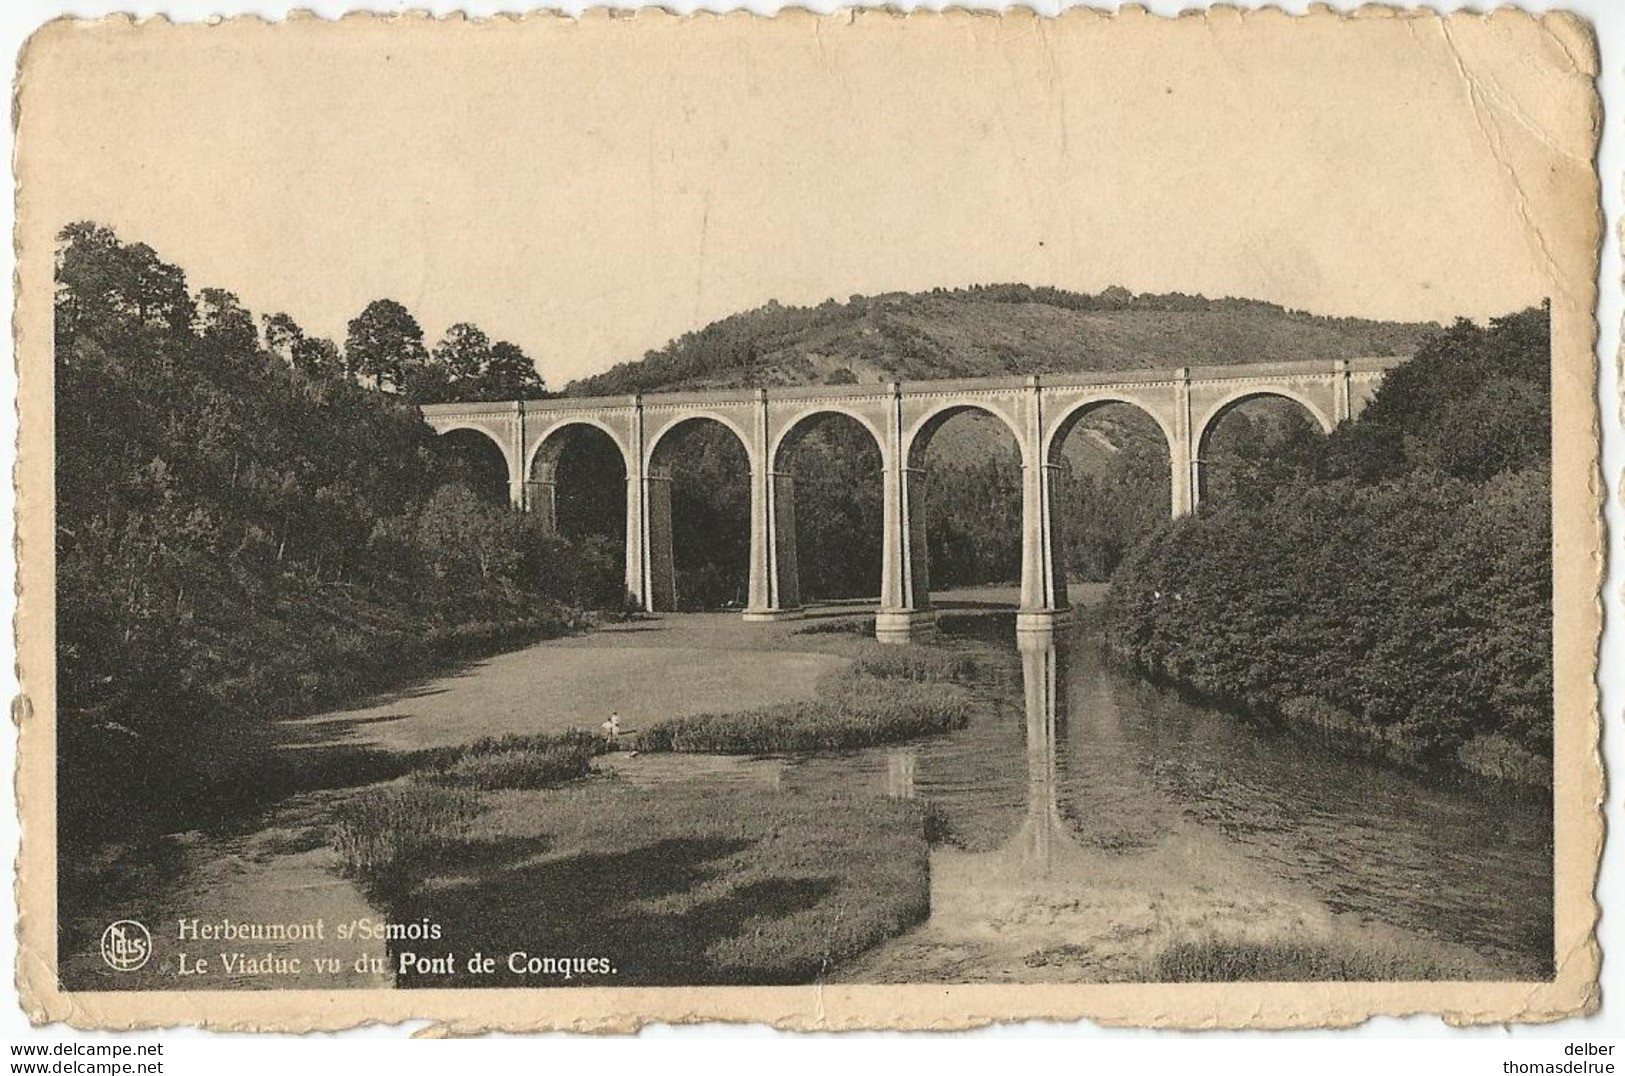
{"x": 1104, "y": 378}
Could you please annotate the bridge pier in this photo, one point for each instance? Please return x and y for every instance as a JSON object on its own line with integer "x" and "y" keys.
{"x": 775, "y": 573}
{"x": 637, "y": 587}
{"x": 775, "y": 581}
{"x": 1185, "y": 481}
{"x": 905, "y": 586}
{"x": 662, "y": 594}
{"x": 541, "y": 495}
{"x": 1043, "y": 561}
{"x": 1044, "y": 605}
{"x": 651, "y": 575}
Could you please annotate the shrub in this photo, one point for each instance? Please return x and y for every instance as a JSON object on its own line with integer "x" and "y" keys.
{"x": 1414, "y": 613}
{"x": 513, "y": 761}
{"x": 909, "y": 663}
{"x": 1499, "y": 757}
{"x": 857, "y": 625}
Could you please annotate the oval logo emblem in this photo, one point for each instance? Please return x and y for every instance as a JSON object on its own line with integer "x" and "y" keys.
{"x": 126, "y": 945}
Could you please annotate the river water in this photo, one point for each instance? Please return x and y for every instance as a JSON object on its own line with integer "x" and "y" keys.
{"x": 1091, "y": 819}
{"x": 1086, "y": 820}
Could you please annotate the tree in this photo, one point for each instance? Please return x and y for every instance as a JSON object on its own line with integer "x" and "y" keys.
{"x": 105, "y": 285}
{"x": 454, "y": 368}
{"x": 318, "y": 359}
{"x": 463, "y": 353}
{"x": 282, "y": 336}
{"x": 1473, "y": 402}
{"x": 459, "y": 532}
{"x": 229, "y": 338}
{"x": 511, "y": 375}
{"x": 385, "y": 343}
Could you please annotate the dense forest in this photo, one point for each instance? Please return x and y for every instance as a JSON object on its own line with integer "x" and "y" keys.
{"x": 1391, "y": 581}
{"x": 245, "y": 529}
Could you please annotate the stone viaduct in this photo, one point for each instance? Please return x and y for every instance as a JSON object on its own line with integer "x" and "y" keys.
{"x": 902, "y": 417}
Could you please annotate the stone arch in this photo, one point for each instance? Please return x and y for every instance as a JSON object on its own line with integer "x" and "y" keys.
{"x": 475, "y": 434}
{"x": 474, "y": 427}
{"x": 727, "y": 423}
{"x": 1235, "y": 399}
{"x": 1134, "y": 472}
{"x": 698, "y": 518}
{"x": 1201, "y": 434}
{"x": 550, "y": 442}
{"x": 1075, "y": 412}
{"x": 945, "y": 543}
{"x": 917, "y": 438}
{"x": 802, "y": 422}
{"x": 803, "y": 547}
{"x": 604, "y": 508}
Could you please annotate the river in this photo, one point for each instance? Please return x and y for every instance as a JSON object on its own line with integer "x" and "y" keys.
{"x": 1088, "y": 819}
{"x": 1091, "y": 818}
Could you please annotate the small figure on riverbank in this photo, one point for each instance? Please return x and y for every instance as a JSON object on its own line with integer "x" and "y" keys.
{"x": 612, "y": 728}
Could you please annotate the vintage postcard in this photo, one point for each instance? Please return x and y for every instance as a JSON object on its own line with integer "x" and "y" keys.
{"x": 841, "y": 522}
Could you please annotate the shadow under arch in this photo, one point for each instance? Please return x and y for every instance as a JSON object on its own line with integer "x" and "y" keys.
{"x": 576, "y": 490}
{"x": 699, "y": 471}
{"x": 1281, "y": 413}
{"x": 1111, "y": 483}
{"x": 477, "y": 458}
{"x": 965, "y": 521}
{"x": 825, "y": 477}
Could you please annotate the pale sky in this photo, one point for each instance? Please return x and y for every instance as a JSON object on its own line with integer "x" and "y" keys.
{"x": 590, "y": 190}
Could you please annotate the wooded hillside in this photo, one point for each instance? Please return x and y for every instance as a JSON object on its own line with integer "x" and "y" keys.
{"x": 246, "y": 533}
{"x": 992, "y": 330}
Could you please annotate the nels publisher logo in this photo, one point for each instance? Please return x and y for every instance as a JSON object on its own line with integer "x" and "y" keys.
{"x": 126, "y": 945}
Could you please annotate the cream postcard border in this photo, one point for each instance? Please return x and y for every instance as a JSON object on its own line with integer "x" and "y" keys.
{"x": 1563, "y": 209}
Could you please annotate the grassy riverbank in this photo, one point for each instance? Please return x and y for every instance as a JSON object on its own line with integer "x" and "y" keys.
{"x": 234, "y": 762}
{"x": 885, "y": 697}
{"x": 684, "y": 885}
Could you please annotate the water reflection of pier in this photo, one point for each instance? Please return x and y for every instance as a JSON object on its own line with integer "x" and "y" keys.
{"x": 1043, "y": 832}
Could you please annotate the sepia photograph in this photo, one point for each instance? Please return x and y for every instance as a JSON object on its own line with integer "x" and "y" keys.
{"x": 561, "y": 523}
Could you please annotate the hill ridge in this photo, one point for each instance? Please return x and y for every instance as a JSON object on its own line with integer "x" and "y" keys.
{"x": 993, "y": 330}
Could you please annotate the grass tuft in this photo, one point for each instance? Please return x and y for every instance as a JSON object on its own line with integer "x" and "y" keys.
{"x": 380, "y": 831}
{"x": 885, "y": 697}
{"x": 922, "y": 666}
{"x": 513, "y": 761}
